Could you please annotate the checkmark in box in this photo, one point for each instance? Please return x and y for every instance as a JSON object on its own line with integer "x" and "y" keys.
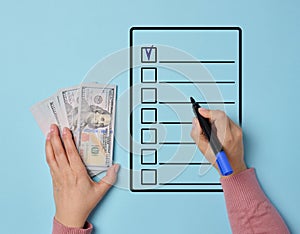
{"x": 149, "y": 54}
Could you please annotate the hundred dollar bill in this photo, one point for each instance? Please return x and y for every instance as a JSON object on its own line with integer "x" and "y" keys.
{"x": 96, "y": 125}
{"x": 56, "y": 110}
{"x": 63, "y": 122}
{"x": 69, "y": 99}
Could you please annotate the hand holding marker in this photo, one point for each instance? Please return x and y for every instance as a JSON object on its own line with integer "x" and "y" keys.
{"x": 216, "y": 146}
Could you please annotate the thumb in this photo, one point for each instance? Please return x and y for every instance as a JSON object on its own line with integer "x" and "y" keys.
{"x": 213, "y": 115}
{"x": 108, "y": 180}
{"x": 205, "y": 112}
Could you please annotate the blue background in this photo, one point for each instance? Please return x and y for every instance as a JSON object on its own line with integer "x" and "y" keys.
{"x": 47, "y": 45}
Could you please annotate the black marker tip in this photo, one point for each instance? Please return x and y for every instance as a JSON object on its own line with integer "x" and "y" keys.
{"x": 192, "y": 100}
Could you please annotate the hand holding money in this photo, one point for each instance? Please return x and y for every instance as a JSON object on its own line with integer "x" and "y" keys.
{"x": 89, "y": 112}
{"x": 75, "y": 194}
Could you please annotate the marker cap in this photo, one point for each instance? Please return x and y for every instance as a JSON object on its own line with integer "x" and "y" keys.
{"x": 223, "y": 164}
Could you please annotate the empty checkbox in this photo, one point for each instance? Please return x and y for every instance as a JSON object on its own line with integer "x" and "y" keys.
{"x": 148, "y": 115}
{"x": 149, "y": 54}
{"x": 148, "y": 136}
{"x": 149, "y": 95}
{"x": 148, "y": 74}
{"x": 149, "y": 156}
{"x": 148, "y": 176}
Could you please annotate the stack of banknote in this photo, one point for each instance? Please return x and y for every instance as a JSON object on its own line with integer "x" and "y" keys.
{"x": 88, "y": 110}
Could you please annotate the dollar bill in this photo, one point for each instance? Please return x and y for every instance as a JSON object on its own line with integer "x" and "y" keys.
{"x": 62, "y": 118}
{"x": 55, "y": 109}
{"x": 96, "y": 125}
{"x": 44, "y": 115}
{"x": 69, "y": 99}
{"x": 89, "y": 111}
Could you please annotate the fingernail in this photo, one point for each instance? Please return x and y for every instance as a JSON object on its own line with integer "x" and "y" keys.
{"x": 203, "y": 109}
{"x": 52, "y": 128}
{"x": 116, "y": 168}
{"x": 48, "y": 136}
{"x": 64, "y": 131}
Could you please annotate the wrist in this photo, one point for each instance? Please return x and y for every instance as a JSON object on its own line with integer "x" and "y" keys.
{"x": 70, "y": 221}
{"x": 237, "y": 169}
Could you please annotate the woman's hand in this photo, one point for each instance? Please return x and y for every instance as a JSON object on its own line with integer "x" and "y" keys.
{"x": 75, "y": 193}
{"x": 229, "y": 134}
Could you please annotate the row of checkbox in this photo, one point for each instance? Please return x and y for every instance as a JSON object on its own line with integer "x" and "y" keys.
{"x": 149, "y": 55}
{"x": 148, "y": 157}
{"x": 148, "y": 116}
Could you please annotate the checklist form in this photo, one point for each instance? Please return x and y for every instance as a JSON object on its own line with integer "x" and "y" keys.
{"x": 168, "y": 65}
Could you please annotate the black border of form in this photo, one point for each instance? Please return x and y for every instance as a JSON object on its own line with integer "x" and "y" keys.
{"x": 132, "y": 29}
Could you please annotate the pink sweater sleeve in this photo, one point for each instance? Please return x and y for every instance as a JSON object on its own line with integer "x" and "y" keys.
{"x": 249, "y": 210}
{"x": 59, "y": 228}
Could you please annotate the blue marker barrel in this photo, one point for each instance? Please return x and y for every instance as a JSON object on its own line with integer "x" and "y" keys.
{"x": 223, "y": 164}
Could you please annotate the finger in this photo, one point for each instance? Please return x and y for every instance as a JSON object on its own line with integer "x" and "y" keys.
{"x": 219, "y": 122}
{"x": 50, "y": 158}
{"x": 221, "y": 125}
{"x": 199, "y": 137}
{"x": 108, "y": 180}
{"x": 205, "y": 112}
{"x": 58, "y": 149}
{"x": 202, "y": 142}
{"x": 71, "y": 150}
{"x": 213, "y": 115}
{"x": 196, "y": 132}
